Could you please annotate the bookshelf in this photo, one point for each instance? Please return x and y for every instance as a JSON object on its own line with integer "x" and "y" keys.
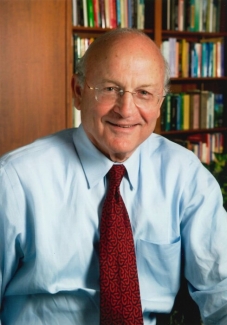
{"x": 204, "y": 138}
{"x": 156, "y": 27}
{"x": 38, "y": 36}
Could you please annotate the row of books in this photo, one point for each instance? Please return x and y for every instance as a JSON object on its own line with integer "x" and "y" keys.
{"x": 204, "y": 145}
{"x": 109, "y": 13}
{"x": 192, "y": 110}
{"x": 80, "y": 45}
{"x": 192, "y": 15}
{"x": 194, "y": 59}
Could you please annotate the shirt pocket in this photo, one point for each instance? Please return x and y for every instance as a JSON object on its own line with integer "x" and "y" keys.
{"x": 158, "y": 269}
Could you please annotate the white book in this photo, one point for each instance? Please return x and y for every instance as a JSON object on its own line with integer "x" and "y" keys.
{"x": 75, "y": 13}
{"x": 85, "y": 13}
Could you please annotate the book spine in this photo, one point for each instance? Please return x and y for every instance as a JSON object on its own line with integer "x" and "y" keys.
{"x": 181, "y": 15}
{"x": 118, "y": 12}
{"x": 113, "y": 17}
{"x": 102, "y": 13}
{"x": 172, "y": 56}
{"x": 90, "y": 13}
{"x": 75, "y": 12}
{"x": 218, "y": 110}
{"x": 204, "y": 60}
{"x": 97, "y": 22}
{"x": 140, "y": 14}
{"x": 107, "y": 13}
{"x": 192, "y": 16}
{"x": 85, "y": 16}
{"x": 186, "y": 112}
{"x": 204, "y": 109}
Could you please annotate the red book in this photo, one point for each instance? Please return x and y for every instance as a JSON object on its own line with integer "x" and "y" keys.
{"x": 96, "y": 13}
{"x": 113, "y": 14}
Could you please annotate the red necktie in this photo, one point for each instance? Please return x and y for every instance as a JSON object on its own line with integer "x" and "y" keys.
{"x": 119, "y": 286}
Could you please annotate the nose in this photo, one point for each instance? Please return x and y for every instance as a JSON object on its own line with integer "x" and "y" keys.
{"x": 125, "y": 104}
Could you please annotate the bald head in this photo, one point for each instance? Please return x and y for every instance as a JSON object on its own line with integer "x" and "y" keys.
{"x": 116, "y": 42}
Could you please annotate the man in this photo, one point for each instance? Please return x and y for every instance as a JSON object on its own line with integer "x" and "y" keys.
{"x": 52, "y": 194}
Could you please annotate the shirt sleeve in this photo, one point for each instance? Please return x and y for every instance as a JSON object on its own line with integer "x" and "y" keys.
{"x": 10, "y": 226}
{"x": 204, "y": 238}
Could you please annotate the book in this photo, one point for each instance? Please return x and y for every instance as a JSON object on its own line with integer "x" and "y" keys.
{"x": 219, "y": 58}
{"x": 204, "y": 109}
{"x": 166, "y": 14}
{"x": 210, "y": 110}
{"x": 204, "y": 63}
{"x": 97, "y": 22}
{"x": 209, "y": 22}
{"x": 107, "y": 13}
{"x": 165, "y": 50}
{"x": 118, "y": 12}
{"x": 102, "y": 13}
{"x": 140, "y": 14}
{"x": 194, "y": 109}
{"x": 196, "y": 58}
{"x": 130, "y": 13}
{"x": 90, "y": 13}
{"x": 192, "y": 16}
{"x": 204, "y": 5}
{"x": 185, "y": 58}
{"x": 80, "y": 13}
{"x": 175, "y": 112}
{"x": 186, "y": 111}
{"x": 75, "y": 12}
{"x": 218, "y": 110}
{"x": 166, "y": 114}
{"x": 172, "y": 57}
{"x": 180, "y": 112}
{"x": 85, "y": 15}
{"x": 181, "y": 15}
{"x": 197, "y": 14}
{"x": 113, "y": 14}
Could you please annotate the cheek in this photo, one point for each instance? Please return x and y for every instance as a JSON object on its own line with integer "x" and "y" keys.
{"x": 151, "y": 116}
{"x": 92, "y": 113}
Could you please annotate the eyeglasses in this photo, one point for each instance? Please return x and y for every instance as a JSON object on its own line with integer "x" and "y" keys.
{"x": 109, "y": 95}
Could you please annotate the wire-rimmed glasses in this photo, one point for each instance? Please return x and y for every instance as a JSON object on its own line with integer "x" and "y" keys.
{"x": 110, "y": 94}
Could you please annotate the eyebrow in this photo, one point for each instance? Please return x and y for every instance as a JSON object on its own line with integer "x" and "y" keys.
{"x": 117, "y": 83}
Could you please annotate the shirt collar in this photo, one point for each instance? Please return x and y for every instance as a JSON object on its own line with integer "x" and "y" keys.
{"x": 96, "y": 165}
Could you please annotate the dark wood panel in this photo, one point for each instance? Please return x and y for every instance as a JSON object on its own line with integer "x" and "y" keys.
{"x": 32, "y": 70}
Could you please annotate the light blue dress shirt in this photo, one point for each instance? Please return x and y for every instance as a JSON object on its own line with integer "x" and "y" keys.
{"x": 51, "y": 196}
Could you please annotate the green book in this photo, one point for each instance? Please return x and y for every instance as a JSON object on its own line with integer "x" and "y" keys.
{"x": 90, "y": 13}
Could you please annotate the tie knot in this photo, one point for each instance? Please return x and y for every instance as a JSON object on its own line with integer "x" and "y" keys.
{"x": 116, "y": 174}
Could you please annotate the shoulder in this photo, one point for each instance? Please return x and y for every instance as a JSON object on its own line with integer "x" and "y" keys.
{"x": 168, "y": 151}
{"x": 45, "y": 148}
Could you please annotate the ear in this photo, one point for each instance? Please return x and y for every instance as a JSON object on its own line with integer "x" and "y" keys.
{"x": 77, "y": 92}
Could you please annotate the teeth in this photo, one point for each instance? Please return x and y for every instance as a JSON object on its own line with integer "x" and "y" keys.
{"x": 125, "y": 126}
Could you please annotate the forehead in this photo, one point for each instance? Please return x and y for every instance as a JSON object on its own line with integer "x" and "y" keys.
{"x": 126, "y": 57}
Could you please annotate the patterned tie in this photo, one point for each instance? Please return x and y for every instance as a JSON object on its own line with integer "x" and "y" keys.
{"x": 119, "y": 286}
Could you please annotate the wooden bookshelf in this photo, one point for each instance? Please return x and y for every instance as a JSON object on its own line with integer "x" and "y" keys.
{"x": 217, "y": 84}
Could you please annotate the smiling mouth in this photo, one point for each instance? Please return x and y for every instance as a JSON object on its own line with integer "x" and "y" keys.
{"x": 122, "y": 126}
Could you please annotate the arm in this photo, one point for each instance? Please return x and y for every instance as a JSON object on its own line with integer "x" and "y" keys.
{"x": 10, "y": 227}
{"x": 204, "y": 237}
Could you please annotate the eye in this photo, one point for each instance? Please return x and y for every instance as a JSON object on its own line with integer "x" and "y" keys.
{"x": 144, "y": 93}
{"x": 110, "y": 89}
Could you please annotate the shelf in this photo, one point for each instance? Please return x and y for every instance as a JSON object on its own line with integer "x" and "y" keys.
{"x": 188, "y": 34}
{"x": 187, "y": 132}
{"x": 99, "y": 30}
{"x": 197, "y": 79}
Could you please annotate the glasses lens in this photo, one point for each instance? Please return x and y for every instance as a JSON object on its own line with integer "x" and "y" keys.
{"x": 110, "y": 95}
{"x": 106, "y": 95}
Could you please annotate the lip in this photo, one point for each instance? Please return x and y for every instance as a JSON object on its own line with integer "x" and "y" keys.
{"x": 122, "y": 126}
